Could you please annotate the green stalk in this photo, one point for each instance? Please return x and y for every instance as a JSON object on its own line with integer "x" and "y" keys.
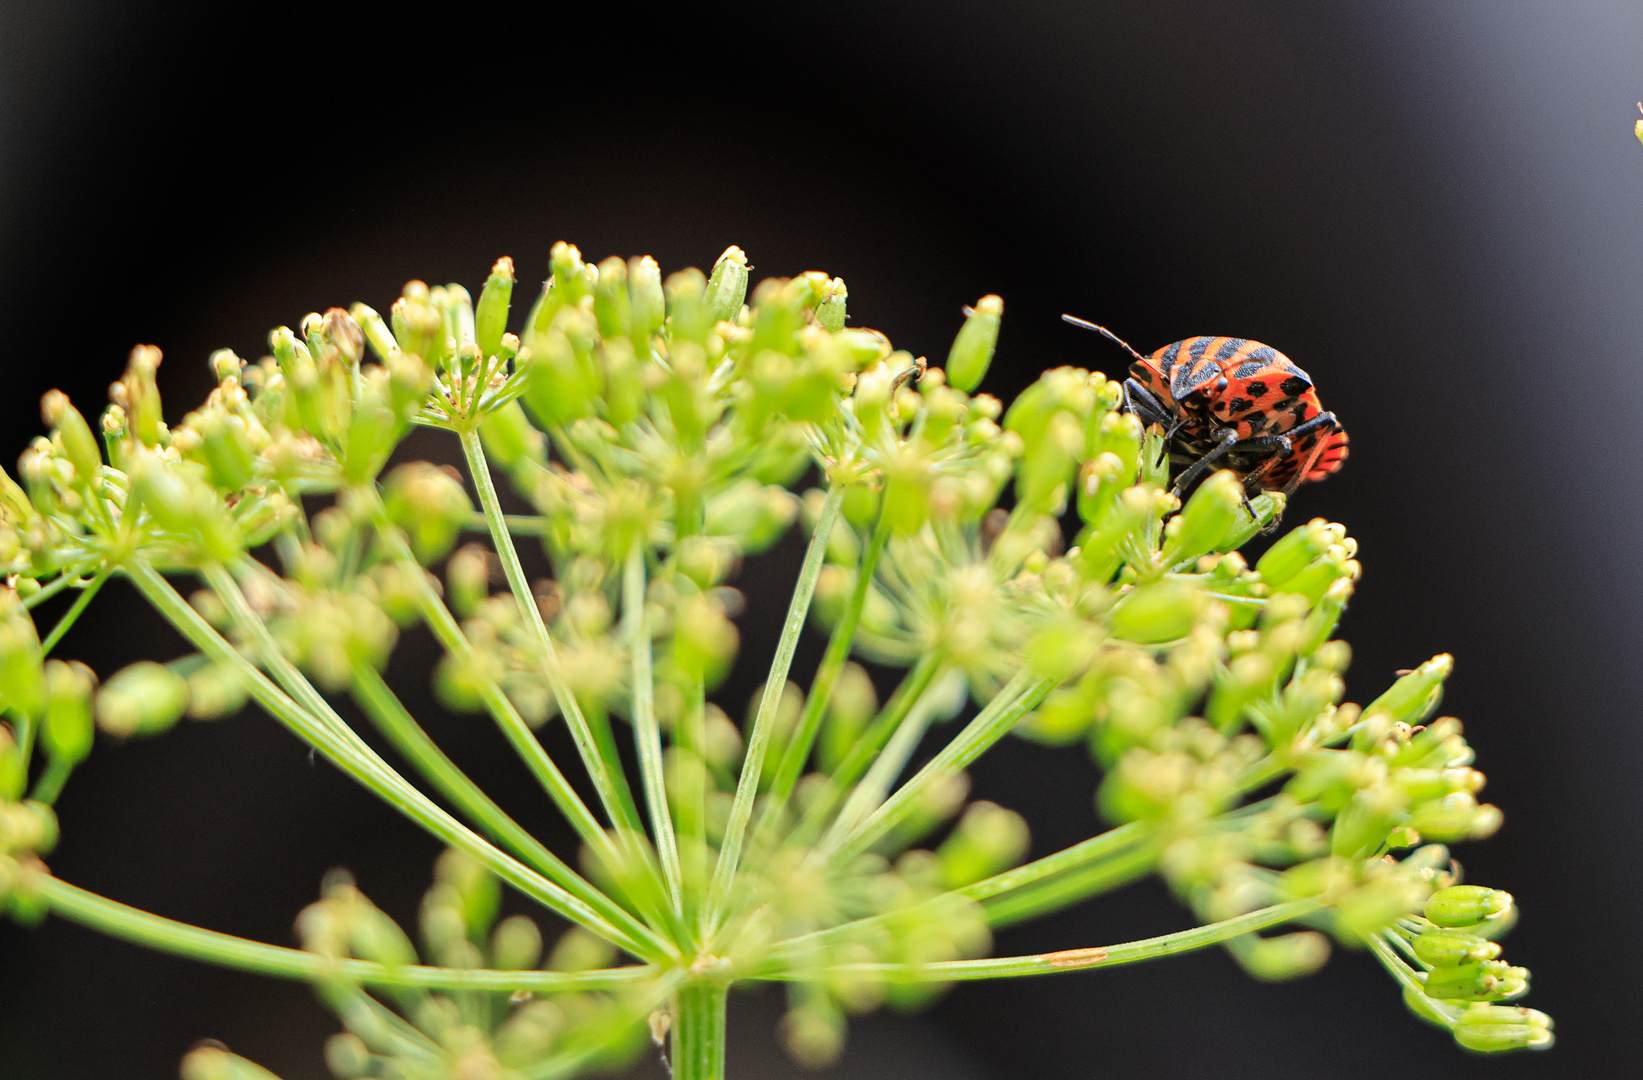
{"x": 378, "y": 703}
{"x": 747, "y": 786}
{"x": 992, "y": 723}
{"x": 608, "y": 779}
{"x": 73, "y": 613}
{"x": 354, "y": 757}
{"x": 182, "y": 939}
{"x": 518, "y": 524}
{"x": 869, "y": 794}
{"x": 1081, "y": 854}
{"x": 445, "y": 628}
{"x": 827, "y": 674}
{"x": 1073, "y": 887}
{"x": 647, "y": 733}
{"x": 699, "y": 1032}
{"x": 57, "y": 585}
{"x": 866, "y": 748}
{"x": 1077, "y": 959}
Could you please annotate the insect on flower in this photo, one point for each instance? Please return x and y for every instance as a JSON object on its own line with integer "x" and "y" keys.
{"x": 1235, "y": 403}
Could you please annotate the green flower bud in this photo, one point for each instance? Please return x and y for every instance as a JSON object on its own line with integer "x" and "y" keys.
{"x": 727, "y": 286}
{"x": 67, "y": 731}
{"x": 1361, "y": 827}
{"x": 79, "y": 444}
{"x": 1493, "y": 1028}
{"x": 347, "y": 1056}
{"x": 338, "y": 330}
{"x": 419, "y": 327}
{"x": 1413, "y": 697}
{"x": 509, "y": 437}
{"x": 14, "y": 778}
{"x": 704, "y": 641}
{"x": 227, "y": 448}
{"x": 517, "y": 943}
{"x": 972, "y": 350}
{"x": 579, "y": 950}
{"x": 144, "y": 698}
{"x": 1376, "y": 905}
{"x": 687, "y": 311}
{"x": 1210, "y": 514}
{"x": 137, "y": 394}
{"x": 1488, "y": 980}
{"x": 561, "y": 383}
{"x": 467, "y": 574}
{"x": 1286, "y": 956}
{"x": 376, "y": 332}
{"x": 1268, "y": 507}
{"x": 754, "y": 515}
{"x": 429, "y": 503}
{"x": 1062, "y": 647}
{"x": 1456, "y": 816}
{"x": 214, "y": 691}
{"x": 215, "y": 1063}
{"x": 830, "y": 312}
{"x": 1295, "y": 551}
{"x": 1461, "y": 906}
{"x": 612, "y": 305}
{"x": 22, "y": 678}
{"x": 570, "y": 274}
{"x": 1452, "y": 948}
{"x": 458, "y": 307}
{"x": 647, "y": 305}
{"x": 1151, "y": 614}
{"x": 491, "y": 315}
{"x": 476, "y": 887}
{"x": 986, "y": 840}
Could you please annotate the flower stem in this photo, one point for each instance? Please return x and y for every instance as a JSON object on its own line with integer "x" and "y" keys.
{"x": 73, "y": 613}
{"x": 182, "y": 939}
{"x": 378, "y": 703}
{"x": 1076, "y": 959}
{"x": 607, "y": 776}
{"x": 827, "y": 674}
{"x": 647, "y": 734}
{"x": 764, "y": 722}
{"x": 353, "y": 757}
{"x": 699, "y": 1032}
{"x": 992, "y": 723}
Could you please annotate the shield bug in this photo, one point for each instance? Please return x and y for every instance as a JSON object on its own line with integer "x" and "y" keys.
{"x": 1233, "y": 403}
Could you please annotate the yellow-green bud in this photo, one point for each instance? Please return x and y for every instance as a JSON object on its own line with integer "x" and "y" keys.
{"x": 79, "y": 444}
{"x": 1488, "y": 980}
{"x": 1156, "y": 613}
{"x": 429, "y": 503}
{"x": 1415, "y": 695}
{"x": 1203, "y": 525}
{"x": 972, "y": 350}
{"x": 509, "y": 437}
{"x": 612, "y": 305}
{"x": 491, "y": 315}
{"x": 215, "y": 1063}
{"x": 67, "y": 731}
{"x": 647, "y": 306}
{"x": 1461, "y": 906}
{"x": 1451, "y": 948}
{"x": 517, "y": 943}
{"x": 1493, "y": 1028}
{"x": 830, "y": 312}
{"x": 727, "y": 285}
{"x": 476, "y": 886}
{"x": 144, "y": 698}
{"x": 377, "y": 334}
{"x": 22, "y": 679}
{"x": 986, "y": 840}
{"x": 1295, "y": 551}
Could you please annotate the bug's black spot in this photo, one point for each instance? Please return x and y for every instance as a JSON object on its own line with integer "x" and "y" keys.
{"x": 1256, "y": 389}
{"x": 1256, "y": 421}
{"x": 1294, "y": 385}
{"x": 1238, "y": 405}
{"x": 1285, "y": 405}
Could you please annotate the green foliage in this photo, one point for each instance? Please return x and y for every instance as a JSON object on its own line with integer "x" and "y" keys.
{"x": 658, "y": 427}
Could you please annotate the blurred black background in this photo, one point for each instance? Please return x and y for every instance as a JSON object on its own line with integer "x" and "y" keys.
{"x": 1434, "y": 209}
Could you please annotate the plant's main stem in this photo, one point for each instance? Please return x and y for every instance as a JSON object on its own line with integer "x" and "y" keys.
{"x": 699, "y": 1032}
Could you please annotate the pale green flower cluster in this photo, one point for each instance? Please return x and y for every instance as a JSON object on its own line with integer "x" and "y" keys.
{"x": 659, "y": 429}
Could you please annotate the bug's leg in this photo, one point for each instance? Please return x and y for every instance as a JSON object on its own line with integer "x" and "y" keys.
{"x": 1228, "y": 438}
{"x": 1140, "y": 401}
{"x": 1321, "y": 420}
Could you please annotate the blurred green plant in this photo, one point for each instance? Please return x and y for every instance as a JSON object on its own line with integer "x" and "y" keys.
{"x": 657, "y": 428}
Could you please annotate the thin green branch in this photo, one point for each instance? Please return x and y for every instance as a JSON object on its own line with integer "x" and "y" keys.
{"x": 647, "y": 733}
{"x": 518, "y": 524}
{"x": 182, "y": 939}
{"x": 1072, "y": 858}
{"x": 699, "y": 1032}
{"x": 608, "y": 780}
{"x": 747, "y": 786}
{"x": 992, "y": 723}
{"x": 57, "y": 585}
{"x": 384, "y": 710}
{"x": 358, "y": 761}
{"x": 869, "y": 794}
{"x": 1073, "y": 887}
{"x": 827, "y": 674}
{"x": 1078, "y": 959}
{"x": 66, "y": 623}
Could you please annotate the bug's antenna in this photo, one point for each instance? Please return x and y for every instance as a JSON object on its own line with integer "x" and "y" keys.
{"x": 1085, "y": 324}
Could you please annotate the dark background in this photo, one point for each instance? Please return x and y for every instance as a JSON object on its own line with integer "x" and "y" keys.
{"x": 1432, "y": 208}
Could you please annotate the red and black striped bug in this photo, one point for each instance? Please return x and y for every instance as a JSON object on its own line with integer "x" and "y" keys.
{"x": 1235, "y": 403}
